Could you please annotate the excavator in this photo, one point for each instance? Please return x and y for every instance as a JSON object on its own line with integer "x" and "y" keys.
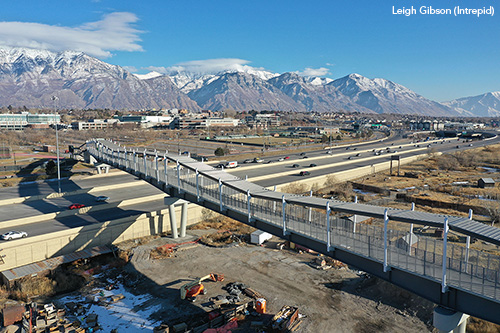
{"x": 192, "y": 289}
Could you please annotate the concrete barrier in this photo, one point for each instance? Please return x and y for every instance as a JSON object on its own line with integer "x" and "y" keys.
{"x": 36, "y": 248}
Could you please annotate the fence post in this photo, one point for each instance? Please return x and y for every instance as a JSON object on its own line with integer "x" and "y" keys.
{"x": 283, "y": 206}
{"x": 145, "y": 165}
{"x": 178, "y": 175}
{"x": 220, "y": 194}
{"x": 157, "y": 169}
{"x": 328, "y": 227}
{"x": 444, "y": 288}
{"x": 165, "y": 164}
{"x": 386, "y": 222}
{"x": 249, "y": 198}
{"x": 197, "y": 185}
{"x": 126, "y": 158}
{"x": 410, "y": 237}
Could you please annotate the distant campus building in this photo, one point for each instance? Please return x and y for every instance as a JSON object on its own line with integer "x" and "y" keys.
{"x": 20, "y": 121}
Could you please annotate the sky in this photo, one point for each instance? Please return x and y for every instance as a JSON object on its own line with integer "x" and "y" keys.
{"x": 441, "y": 57}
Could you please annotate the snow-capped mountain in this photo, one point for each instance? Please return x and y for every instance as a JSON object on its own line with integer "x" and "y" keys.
{"x": 188, "y": 81}
{"x": 384, "y": 96}
{"x": 243, "y": 91}
{"x": 150, "y": 75}
{"x": 31, "y": 77}
{"x": 485, "y": 105}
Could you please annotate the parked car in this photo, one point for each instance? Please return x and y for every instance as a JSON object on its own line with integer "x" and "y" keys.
{"x": 76, "y": 206}
{"x": 295, "y": 165}
{"x": 304, "y": 173}
{"x": 102, "y": 198}
{"x": 14, "y": 234}
{"x": 312, "y": 165}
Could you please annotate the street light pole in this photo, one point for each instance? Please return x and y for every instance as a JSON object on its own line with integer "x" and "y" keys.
{"x": 55, "y": 99}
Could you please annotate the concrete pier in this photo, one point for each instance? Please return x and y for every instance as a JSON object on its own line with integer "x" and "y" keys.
{"x": 448, "y": 321}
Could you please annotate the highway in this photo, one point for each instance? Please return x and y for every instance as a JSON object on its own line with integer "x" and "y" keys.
{"x": 342, "y": 158}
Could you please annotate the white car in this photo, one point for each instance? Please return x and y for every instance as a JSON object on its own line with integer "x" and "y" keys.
{"x": 102, "y": 198}
{"x": 14, "y": 234}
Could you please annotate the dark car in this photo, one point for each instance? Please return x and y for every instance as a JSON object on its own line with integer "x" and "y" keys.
{"x": 305, "y": 156}
{"x": 304, "y": 173}
{"x": 302, "y": 154}
{"x": 295, "y": 165}
{"x": 76, "y": 206}
{"x": 312, "y": 165}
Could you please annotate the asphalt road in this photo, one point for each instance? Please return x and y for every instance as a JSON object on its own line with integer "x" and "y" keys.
{"x": 348, "y": 158}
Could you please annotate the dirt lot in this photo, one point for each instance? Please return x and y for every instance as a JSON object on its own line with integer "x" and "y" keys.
{"x": 334, "y": 300}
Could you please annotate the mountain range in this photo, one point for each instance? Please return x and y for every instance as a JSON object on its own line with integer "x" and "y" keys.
{"x": 30, "y": 77}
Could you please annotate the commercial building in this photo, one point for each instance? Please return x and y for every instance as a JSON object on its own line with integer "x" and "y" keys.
{"x": 19, "y": 121}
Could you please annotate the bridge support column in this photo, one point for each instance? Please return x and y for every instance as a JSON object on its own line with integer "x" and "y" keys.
{"x": 446, "y": 320}
{"x": 173, "y": 220}
{"x": 184, "y": 214}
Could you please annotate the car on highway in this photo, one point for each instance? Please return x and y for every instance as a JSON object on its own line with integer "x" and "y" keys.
{"x": 302, "y": 154}
{"x": 358, "y": 154}
{"x": 329, "y": 152}
{"x": 305, "y": 156}
{"x": 76, "y": 206}
{"x": 102, "y": 198}
{"x": 14, "y": 234}
{"x": 295, "y": 165}
{"x": 304, "y": 173}
{"x": 312, "y": 165}
{"x": 281, "y": 159}
{"x": 248, "y": 161}
{"x": 287, "y": 157}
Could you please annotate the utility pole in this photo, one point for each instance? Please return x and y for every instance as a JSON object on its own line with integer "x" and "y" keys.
{"x": 55, "y": 99}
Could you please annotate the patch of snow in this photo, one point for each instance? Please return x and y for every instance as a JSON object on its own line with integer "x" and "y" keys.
{"x": 150, "y": 75}
{"x": 120, "y": 315}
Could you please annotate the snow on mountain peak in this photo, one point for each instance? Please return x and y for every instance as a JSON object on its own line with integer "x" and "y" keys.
{"x": 150, "y": 75}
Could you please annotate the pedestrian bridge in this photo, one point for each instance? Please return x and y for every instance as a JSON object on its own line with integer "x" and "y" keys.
{"x": 449, "y": 274}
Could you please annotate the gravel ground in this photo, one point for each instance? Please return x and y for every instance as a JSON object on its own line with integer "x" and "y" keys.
{"x": 334, "y": 300}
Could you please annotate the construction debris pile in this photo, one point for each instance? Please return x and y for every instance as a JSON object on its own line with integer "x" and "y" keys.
{"x": 241, "y": 307}
{"x": 39, "y": 318}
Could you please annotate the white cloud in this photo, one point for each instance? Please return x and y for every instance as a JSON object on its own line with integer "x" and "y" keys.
{"x": 208, "y": 66}
{"x": 308, "y": 71}
{"x": 130, "y": 69}
{"x": 115, "y": 32}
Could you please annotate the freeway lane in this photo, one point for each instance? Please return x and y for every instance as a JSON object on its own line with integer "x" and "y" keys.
{"x": 366, "y": 158}
{"x": 74, "y": 221}
{"x": 67, "y": 185}
{"x": 37, "y": 207}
